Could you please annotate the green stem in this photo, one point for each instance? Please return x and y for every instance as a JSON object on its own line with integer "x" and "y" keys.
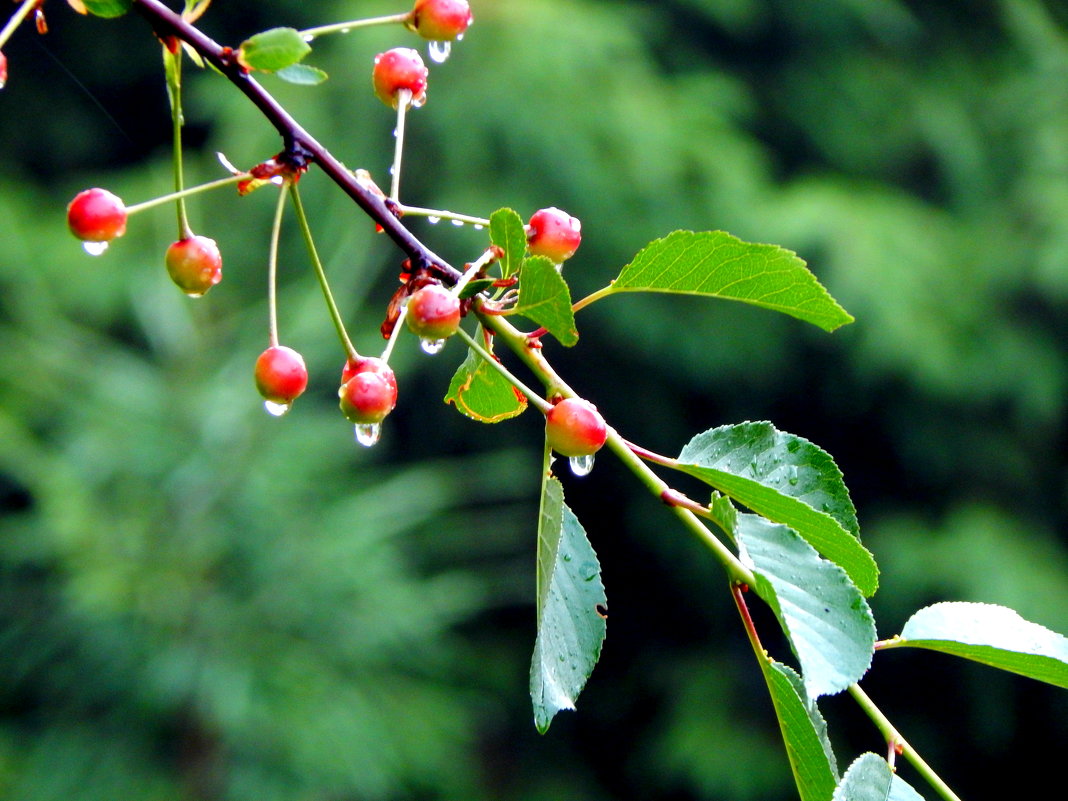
{"x": 320, "y": 273}
{"x": 536, "y": 399}
{"x": 272, "y": 271}
{"x": 173, "y": 70}
{"x": 398, "y": 325}
{"x": 442, "y": 214}
{"x": 17, "y": 19}
{"x": 898, "y": 743}
{"x": 193, "y": 190}
{"x": 345, "y": 27}
{"x": 592, "y": 298}
{"x": 404, "y": 100}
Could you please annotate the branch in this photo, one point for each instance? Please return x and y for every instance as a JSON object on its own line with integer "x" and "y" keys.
{"x": 300, "y": 146}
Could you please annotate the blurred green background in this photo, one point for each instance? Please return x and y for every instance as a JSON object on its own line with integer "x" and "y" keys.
{"x": 198, "y": 601}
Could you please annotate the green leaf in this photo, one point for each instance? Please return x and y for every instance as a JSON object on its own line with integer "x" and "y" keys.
{"x": 716, "y": 264}
{"x": 789, "y": 480}
{"x": 804, "y": 732}
{"x": 545, "y": 299}
{"x": 107, "y": 8}
{"x": 273, "y": 50}
{"x": 571, "y": 602}
{"x": 508, "y": 232}
{"x": 475, "y": 286}
{"x": 482, "y": 393}
{"x": 990, "y": 634}
{"x": 302, "y": 74}
{"x": 869, "y": 778}
{"x": 826, "y": 619}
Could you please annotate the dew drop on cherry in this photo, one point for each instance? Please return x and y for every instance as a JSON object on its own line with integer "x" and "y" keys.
{"x": 95, "y": 248}
{"x": 274, "y": 409}
{"x": 432, "y": 346}
{"x": 367, "y": 434}
{"x": 581, "y": 465}
{"x": 439, "y": 51}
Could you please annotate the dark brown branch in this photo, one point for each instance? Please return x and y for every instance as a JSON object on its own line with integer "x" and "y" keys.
{"x": 299, "y": 145}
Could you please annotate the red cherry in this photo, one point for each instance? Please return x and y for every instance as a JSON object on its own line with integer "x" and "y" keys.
{"x": 368, "y": 396}
{"x": 396, "y": 69}
{"x": 368, "y": 364}
{"x": 574, "y": 427}
{"x": 280, "y": 373}
{"x": 433, "y": 312}
{"x": 96, "y": 215}
{"x": 3, "y": 70}
{"x": 554, "y": 233}
{"x": 194, "y": 264}
{"x": 441, "y": 20}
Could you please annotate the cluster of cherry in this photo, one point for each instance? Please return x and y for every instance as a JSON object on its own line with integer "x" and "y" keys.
{"x": 432, "y": 311}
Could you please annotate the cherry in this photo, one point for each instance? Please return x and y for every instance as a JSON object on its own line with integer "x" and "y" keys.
{"x": 553, "y": 233}
{"x": 396, "y": 69}
{"x": 441, "y": 20}
{"x": 368, "y": 396}
{"x": 368, "y": 364}
{"x": 3, "y": 70}
{"x": 574, "y": 427}
{"x": 96, "y": 215}
{"x": 280, "y": 373}
{"x": 194, "y": 264}
{"x": 433, "y": 312}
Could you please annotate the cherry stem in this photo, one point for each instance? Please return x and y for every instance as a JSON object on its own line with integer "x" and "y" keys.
{"x": 272, "y": 270}
{"x": 320, "y": 273}
{"x": 404, "y": 100}
{"x": 472, "y": 270}
{"x": 738, "y": 594}
{"x": 17, "y": 19}
{"x": 650, "y": 456}
{"x": 398, "y": 324}
{"x": 172, "y": 67}
{"x": 898, "y": 743}
{"x": 193, "y": 190}
{"x": 345, "y": 27}
{"x": 442, "y": 214}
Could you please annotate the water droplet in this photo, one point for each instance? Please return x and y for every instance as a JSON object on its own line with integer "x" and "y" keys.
{"x": 433, "y": 220}
{"x": 479, "y": 226}
{"x": 95, "y": 248}
{"x": 563, "y": 658}
{"x": 308, "y": 37}
{"x": 567, "y": 557}
{"x": 439, "y": 51}
{"x": 275, "y": 409}
{"x": 194, "y": 295}
{"x": 581, "y": 465}
{"x": 278, "y": 180}
{"x": 367, "y": 434}
{"x": 792, "y": 476}
{"x": 459, "y": 37}
{"x": 432, "y": 346}
{"x": 588, "y": 571}
{"x": 394, "y": 132}
{"x": 3, "y": 84}
{"x": 458, "y": 223}
{"x": 392, "y": 169}
{"x": 346, "y": 30}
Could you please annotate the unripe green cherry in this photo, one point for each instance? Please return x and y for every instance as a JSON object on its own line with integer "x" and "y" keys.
{"x": 396, "y": 69}
{"x": 194, "y": 264}
{"x": 433, "y": 313}
{"x": 574, "y": 427}
{"x": 281, "y": 376}
{"x": 368, "y": 396}
{"x": 441, "y": 20}
{"x": 96, "y": 215}
{"x": 553, "y": 233}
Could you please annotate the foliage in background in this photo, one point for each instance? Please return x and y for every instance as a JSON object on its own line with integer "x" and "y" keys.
{"x": 197, "y": 599}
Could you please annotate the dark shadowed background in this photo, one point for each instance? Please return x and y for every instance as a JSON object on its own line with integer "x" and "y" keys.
{"x": 198, "y": 601}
